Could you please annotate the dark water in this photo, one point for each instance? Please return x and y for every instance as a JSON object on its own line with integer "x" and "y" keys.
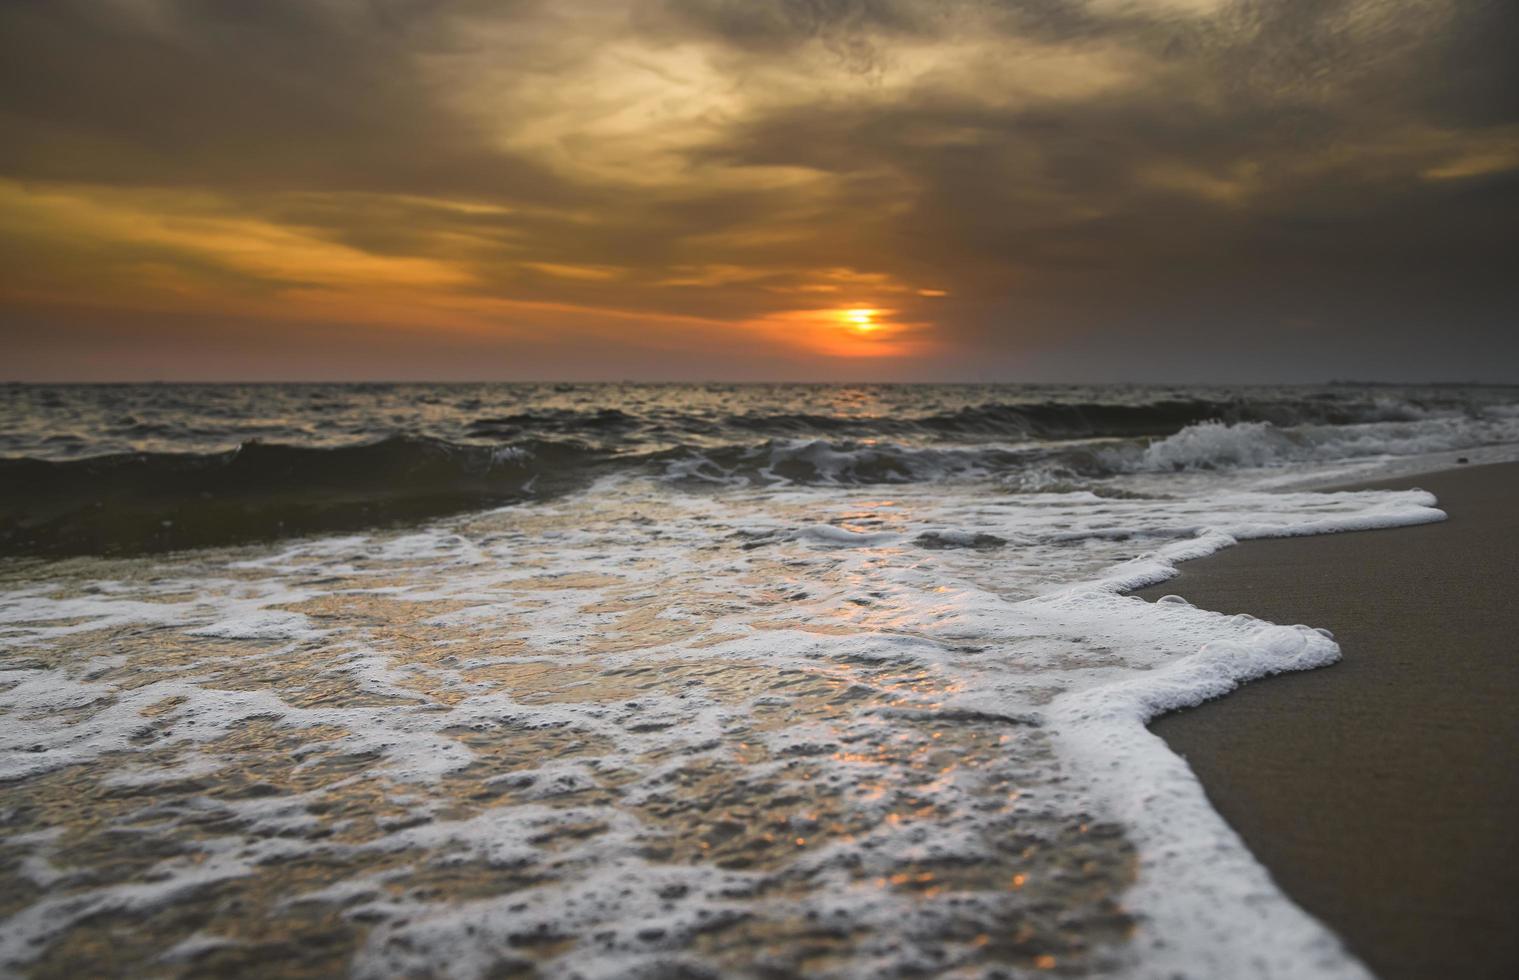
{"x": 106, "y": 469}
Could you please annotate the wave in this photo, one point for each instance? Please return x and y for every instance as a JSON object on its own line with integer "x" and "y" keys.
{"x": 151, "y": 502}
{"x": 132, "y": 503}
{"x": 79, "y": 422}
{"x": 566, "y": 421}
{"x": 645, "y": 428}
{"x": 834, "y": 462}
{"x": 1094, "y": 419}
{"x": 1063, "y": 466}
{"x": 1220, "y": 445}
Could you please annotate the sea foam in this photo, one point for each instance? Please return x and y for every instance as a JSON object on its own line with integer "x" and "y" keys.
{"x": 634, "y": 731}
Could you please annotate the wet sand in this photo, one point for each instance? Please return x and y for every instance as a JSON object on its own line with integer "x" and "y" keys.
{"x": 1382, "y": 792}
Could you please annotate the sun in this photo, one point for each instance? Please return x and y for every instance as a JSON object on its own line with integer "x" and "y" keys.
{"x": 853, "y": 330}
{"x": 862, "y": 319}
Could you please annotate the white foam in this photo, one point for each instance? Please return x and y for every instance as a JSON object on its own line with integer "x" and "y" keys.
{"x": 1034, "y": 634}
{"x": 1210, "y": 908}
{"x": 830, "y": 534}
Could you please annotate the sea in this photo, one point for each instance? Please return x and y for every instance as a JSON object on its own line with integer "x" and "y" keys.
{"x": 688, "y": 681}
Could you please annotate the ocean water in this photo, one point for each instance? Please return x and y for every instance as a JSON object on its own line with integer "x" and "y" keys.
{"x": 610, "y": 681}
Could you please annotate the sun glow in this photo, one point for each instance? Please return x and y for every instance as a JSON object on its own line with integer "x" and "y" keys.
{"x": 845, "y": 331}
{"x": 862, "y": 319}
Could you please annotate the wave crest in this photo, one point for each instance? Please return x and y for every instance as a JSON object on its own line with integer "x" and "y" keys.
{"x": 1221, "y": 445}
{"x": 148, "y": 502}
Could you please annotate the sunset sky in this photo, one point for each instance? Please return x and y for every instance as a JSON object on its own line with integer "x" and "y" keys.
{"x": 1018, "y": 190}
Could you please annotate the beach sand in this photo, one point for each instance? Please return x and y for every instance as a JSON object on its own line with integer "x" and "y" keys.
{"x": 1382, "y": 792}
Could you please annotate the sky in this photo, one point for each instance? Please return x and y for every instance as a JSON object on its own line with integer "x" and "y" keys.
{"x": 937, "y": 190}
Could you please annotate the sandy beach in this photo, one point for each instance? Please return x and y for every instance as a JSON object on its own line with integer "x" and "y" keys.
{"x": 1381, "y": 792}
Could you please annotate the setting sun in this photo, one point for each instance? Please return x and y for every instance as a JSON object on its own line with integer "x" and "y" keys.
{"x": 847, "y": 331}
{"x": 862, "y": 319}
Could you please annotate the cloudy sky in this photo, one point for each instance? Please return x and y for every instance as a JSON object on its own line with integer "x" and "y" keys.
{"x": 759, "y": 189}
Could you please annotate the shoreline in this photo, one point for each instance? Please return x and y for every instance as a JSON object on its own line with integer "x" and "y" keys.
{"x": 1379, "y": 793}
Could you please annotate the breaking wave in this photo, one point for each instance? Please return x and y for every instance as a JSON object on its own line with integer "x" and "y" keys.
{"x": 1218, "y": 445}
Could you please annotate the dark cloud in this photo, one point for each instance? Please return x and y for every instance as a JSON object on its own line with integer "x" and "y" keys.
{"x": 849, "y": 25}
{"x": 1275, "y": 165}
{"x": 280, "y": 94}
{"x": 1471, "y": 70}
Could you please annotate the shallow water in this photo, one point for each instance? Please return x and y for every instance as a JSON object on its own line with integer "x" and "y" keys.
{"x": 657, "y": 726}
